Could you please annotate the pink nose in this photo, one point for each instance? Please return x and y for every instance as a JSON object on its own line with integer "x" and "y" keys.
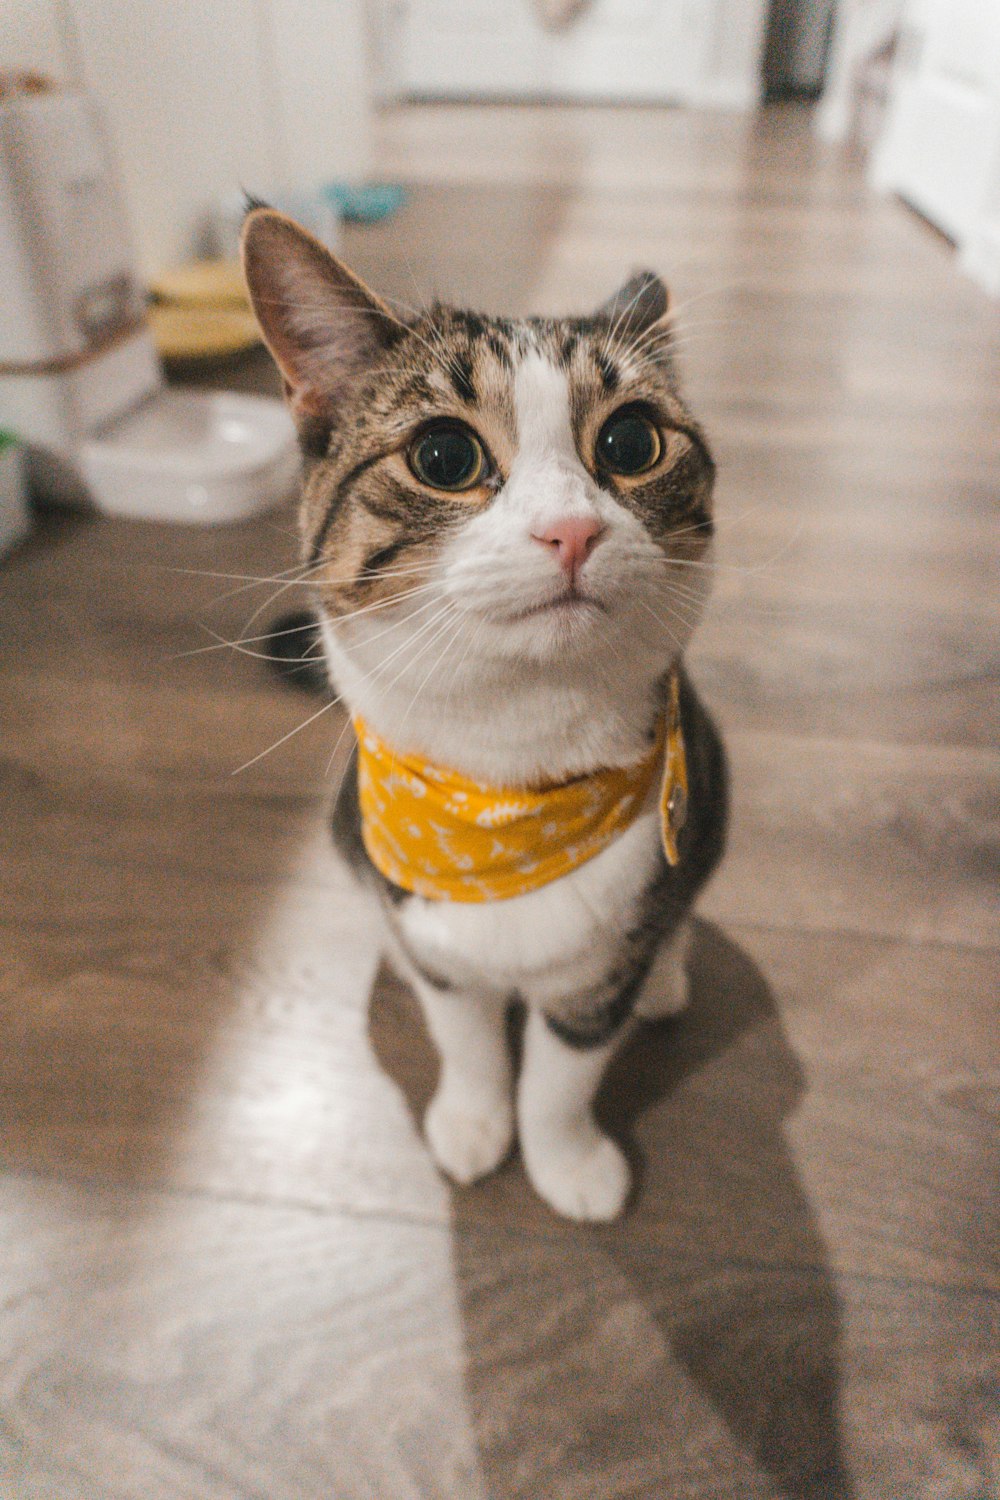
{"x": 572, "y": 539}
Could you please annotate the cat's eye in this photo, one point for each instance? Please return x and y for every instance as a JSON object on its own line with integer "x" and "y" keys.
{"x": 448, "y": 457}
{"x": 628, "y": 443}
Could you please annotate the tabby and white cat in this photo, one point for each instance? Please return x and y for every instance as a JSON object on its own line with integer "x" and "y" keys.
{"x": 509, "y": 528}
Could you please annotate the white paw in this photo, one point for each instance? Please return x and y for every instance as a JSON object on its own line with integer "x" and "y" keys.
{"x": 580, "y": 1173}
{"x": 468, "y": 1138}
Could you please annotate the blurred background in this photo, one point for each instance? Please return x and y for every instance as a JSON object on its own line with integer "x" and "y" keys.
{"x": 285, "y": 96}
{"x": 227, "y": 1265}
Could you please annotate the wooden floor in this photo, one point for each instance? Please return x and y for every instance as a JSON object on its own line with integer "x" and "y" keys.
{"x": 227, "y": 1267}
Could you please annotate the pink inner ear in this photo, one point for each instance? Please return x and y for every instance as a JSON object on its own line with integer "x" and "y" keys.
{"x": 305, "y": 401}
{"x": 321, "y": 324}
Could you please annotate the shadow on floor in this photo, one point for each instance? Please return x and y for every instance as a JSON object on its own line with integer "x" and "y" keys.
{"x": 691, "y": 1349}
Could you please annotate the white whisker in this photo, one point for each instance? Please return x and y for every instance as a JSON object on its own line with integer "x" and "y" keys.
{"x": 298, "y": 728}
{"x": 456, "y": 627}
{"x": 663, "y": 625}
{"x": 374, "y": 675}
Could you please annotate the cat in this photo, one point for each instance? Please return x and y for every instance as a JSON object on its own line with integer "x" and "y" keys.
{"x": 508, "y": 528}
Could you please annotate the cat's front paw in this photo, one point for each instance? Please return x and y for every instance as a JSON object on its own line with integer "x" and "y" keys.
{"x": 468, "y": 1138}
{"x": 580, "y": 1172}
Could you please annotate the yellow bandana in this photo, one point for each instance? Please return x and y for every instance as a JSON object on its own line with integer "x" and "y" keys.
{"x": 440, "y": 835}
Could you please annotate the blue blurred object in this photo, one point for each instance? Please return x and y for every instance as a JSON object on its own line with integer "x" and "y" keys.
{"x": 366, "y": 203}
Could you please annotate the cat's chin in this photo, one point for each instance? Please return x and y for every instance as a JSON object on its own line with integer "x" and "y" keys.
{"x": 568, "y": 607}
{"x": 562, "y": 627}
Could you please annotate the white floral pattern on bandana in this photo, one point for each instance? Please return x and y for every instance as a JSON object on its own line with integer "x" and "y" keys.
{"x": 440, "y": 835}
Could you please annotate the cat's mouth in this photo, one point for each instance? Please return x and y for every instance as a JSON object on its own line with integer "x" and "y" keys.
{"x": 568, "y": 604}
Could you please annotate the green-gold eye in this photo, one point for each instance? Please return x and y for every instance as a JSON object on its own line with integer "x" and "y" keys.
{"x": 448, "y": 457}
{"x": 628, "y": 443}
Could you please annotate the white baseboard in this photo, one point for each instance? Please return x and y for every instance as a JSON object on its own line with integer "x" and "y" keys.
{"x": 737, "y": 94}
{"x": 980, "y": 258}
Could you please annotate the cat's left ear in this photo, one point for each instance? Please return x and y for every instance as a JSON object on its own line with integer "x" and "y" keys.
{"x": 321, "y": 323}
{"x": 639, "y": 305}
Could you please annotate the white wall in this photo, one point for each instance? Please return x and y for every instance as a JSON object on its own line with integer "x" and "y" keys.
{"x": 205, "y": 96}
{"x": 700, "y": 52}
{"x": 30, "y": 38}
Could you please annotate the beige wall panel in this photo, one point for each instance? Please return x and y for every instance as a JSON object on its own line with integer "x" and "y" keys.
{"x": 322, "y": 88}
{"x": 30, "y": 38}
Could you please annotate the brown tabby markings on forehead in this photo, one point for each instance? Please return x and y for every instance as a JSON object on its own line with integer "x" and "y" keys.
{"x": 366, "y": 513}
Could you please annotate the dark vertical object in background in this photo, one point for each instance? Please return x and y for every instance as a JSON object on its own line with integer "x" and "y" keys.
{"x": 797, "y": 47}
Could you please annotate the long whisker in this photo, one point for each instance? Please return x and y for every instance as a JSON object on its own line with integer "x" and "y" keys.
{"x": 685, "y": 617}
{"x": 408, "y": 574}
{"x": 278, "y": 593}
{"x": 710, "y": 566}
{"x": 347, "y": 724}
{"x": 349, "y": 614}
{"x": 456, "y": 627}
{"x": 377, "y": 672}
{"x": 298, "y": 728}
{"x": 245, "y": 577}
{"x": 442, "y": 625}
{"x": 675, "y": 330}
{"x": 666, "y": 329}
{"x": 262, "y": 578}
{"x": 301, "y": 571}
{"x": 221, "y": 643}
{"x": 247, "y": 640}
{"x": 381, "y": 604}
{"x": 312, "y": 717}
{"x": 307, "y": 575}
{"x": 663, "y": 625}
{"x": 619, "y": 321}
{"x": 373, "y": 676}
{"x": 398, "y": 624}
{"x": 712, "y": 291}
{"x": 685, "y": 593}
{"x": 473, "y": 637}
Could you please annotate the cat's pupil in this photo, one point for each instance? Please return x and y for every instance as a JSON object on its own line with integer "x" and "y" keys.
{"x": 627, "y": 444}
{"x": 447, "y": 458}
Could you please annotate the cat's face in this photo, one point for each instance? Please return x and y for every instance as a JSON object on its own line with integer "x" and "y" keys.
{"x": 530, "y": 492}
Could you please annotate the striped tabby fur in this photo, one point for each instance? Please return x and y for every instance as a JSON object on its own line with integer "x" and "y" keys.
{"x": 468, "y": 627}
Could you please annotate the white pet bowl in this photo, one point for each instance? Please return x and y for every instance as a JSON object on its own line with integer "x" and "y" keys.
{"x": 200, "y": 456}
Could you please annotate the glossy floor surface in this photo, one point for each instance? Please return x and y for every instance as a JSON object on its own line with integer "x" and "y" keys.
{"x": 227, "y": 1266}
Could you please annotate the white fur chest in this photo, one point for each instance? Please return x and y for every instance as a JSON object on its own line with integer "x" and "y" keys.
{"x": 549, "y": 942}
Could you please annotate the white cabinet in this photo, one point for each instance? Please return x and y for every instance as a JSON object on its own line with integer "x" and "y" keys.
{"x": 685, "y": 51}
{"x": 941, "y": 146}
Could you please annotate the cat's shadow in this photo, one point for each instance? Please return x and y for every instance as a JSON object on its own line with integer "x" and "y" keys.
{"x": 692, "y": 1348}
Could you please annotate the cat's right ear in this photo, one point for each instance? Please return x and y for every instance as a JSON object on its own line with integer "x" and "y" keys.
{"x": 638, "y": 306}
{"x": 322, "y": 325}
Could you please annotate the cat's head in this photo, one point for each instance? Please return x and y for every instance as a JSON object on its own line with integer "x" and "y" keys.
{"x": 482, "y": 492}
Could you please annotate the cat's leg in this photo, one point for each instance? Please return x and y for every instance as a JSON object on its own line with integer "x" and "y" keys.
{"x": 572, "y": 1164}
{"x": 666, "y": 989}
{"x": 469, "y": 1123}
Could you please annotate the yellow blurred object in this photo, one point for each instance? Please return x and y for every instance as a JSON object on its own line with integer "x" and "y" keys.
{"x": 203, "y": 283}
{"x": 201, "y": 332}
{"x": 201, "y": 311}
